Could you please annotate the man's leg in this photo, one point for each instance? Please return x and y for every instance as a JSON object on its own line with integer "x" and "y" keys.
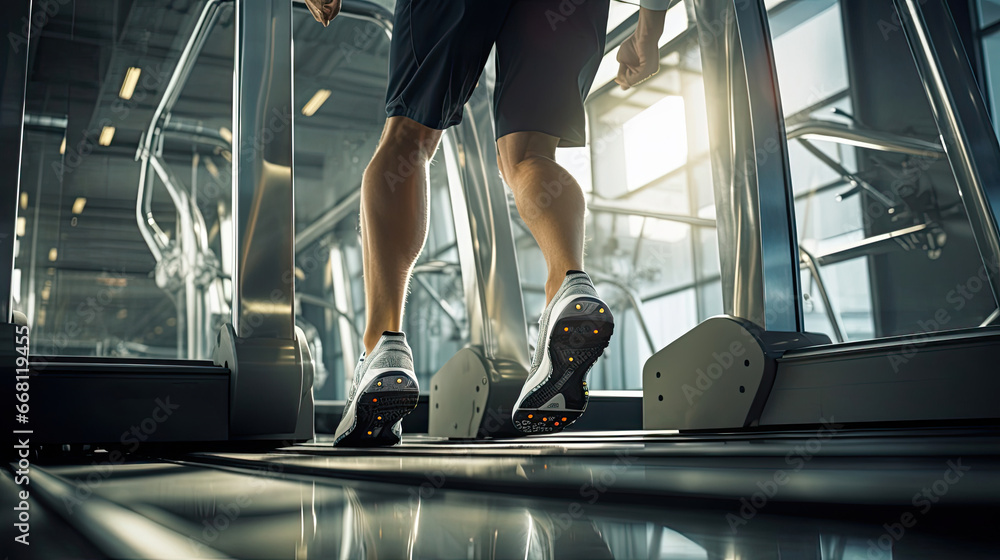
{"x": 394, "y": 218}
{"x": 549, "y": 200}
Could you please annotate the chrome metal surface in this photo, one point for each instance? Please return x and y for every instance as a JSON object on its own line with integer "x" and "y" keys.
{"x": 12, "y": 101}
{"x": 267, "y": 384}
{"x": 810, "y": 262}
{"x": 264, "y": 276}
{"x": 868, "y": 246}
{"x": 856, "y": 135}
{"x": 963, "y": 120}
{"x": 271, "y": 369}
{"x": 615, "y": 207}
{"x": 848, "y": 177}
{"x": 992, "y": 318}
{"x": 753, "y": 192}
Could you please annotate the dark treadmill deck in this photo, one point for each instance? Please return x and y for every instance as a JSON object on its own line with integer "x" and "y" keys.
{"x": 836, "y": 494}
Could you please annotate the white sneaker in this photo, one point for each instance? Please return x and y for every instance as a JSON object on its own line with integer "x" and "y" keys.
{"x": 384, "y": 391}
{"x": 573, "y": 332}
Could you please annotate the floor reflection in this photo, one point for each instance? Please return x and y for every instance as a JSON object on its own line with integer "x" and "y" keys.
{"x": 268, "y": 515}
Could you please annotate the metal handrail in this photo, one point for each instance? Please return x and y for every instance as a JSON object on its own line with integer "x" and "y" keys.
{"x": 151, "y": 233}
{"x": 863, "y": 248}
{"x": 609, "y": 207}
{"x": 862, "y": 137}
{"x": 810, "y": 262}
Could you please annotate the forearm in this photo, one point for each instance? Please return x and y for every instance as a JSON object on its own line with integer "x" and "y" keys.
{"x": 651, "y": 17}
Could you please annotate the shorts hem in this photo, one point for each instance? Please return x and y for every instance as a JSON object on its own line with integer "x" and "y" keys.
{"x": 436, "y": 124}
{"x": 564, "y": 141}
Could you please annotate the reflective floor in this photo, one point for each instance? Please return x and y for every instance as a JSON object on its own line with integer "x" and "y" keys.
{"x": 576, "y": 500}
{"x": 266, "y": 516}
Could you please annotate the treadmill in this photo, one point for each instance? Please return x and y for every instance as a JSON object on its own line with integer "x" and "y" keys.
{"x": 751, "y": 437}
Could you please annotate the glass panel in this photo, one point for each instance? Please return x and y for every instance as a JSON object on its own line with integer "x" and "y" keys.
{"x": 989, "y": 12}
{"x": 90, "y": 282}
{"x": 340, "y": 81}
{"x": 991, "y": 56}
{"x": 876, "y": 201}
{"x": 647, "y": 152}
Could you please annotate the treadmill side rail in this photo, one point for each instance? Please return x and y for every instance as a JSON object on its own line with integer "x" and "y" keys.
{"x": 946, "y": 377}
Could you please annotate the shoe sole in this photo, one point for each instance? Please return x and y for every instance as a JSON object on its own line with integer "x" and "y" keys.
{"x": 388, "y": 398}
{"x": 578, "y": 338}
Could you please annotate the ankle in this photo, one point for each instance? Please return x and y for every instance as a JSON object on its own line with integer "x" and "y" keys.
{"x": 555, "y": 280}
{"x": 370, "y": 340}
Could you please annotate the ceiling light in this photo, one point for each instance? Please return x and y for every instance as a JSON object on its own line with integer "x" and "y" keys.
{"x": 24, "y": 201}
{"x": 226, "y": 134}
{"x": 316, "y": 102}
{"x": 53, "y": 254}
{"x": 107, "y": 135}
{"x": 22, "y": 226}
{"x": 131, "y": 80}
{"x": 78, "y": 205}
{"x": 62, "y": 147}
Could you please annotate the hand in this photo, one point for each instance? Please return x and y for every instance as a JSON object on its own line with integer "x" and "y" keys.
{"x": 324, "y": 11}
{"x": 639, "y": 61}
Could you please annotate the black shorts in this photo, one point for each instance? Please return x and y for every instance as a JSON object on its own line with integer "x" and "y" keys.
{"x": 548, "y": 52}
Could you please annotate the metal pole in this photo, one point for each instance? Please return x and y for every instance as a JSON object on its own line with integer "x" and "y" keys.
{"x": 962, "y": 119}
{"x": 758, "y": 245}
{"x": 13, "y": 80}
{"x": 264, "y": 279}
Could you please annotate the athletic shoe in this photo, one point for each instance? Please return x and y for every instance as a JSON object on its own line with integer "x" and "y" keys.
{"x": 384, "y": 391}
{"x": 573, "y": 332}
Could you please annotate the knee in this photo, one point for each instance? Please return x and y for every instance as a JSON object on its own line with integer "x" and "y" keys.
{"x": 402, "y": 155}
{"x": 513, "y": 167}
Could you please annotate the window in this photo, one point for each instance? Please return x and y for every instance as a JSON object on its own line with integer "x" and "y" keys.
{"x": 91, "y": 281}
